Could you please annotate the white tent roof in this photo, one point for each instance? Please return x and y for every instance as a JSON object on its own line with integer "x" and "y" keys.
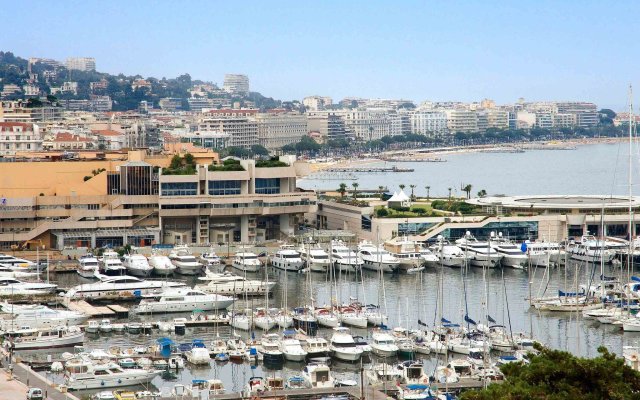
{"x": 399, "y": 197}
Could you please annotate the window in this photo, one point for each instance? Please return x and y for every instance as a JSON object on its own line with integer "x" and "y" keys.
{"x": 267, "y": 186}
{"x": 179, "y": 189}
{"x": 224, "y": 188}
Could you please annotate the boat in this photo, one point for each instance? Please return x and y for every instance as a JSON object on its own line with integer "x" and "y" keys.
{"x": 554, "y": 252}
{"x": 407, "y": 252}
{"x": 184, "y": 300}
{"x": 352, "y": 316}
{"x": 198, "y": 355}
{"x": 137, "y": 265}
{"x": 412, "y": 373}
{"x": 270, "y": 349}
{"x": 185, "y": 262}
{"x": 274, "y": 383}
{"x": 60, "y": 336}
{"x": 237, "y": 349}
{"x": 93, "y": 326}
{"x": 262, "y": 320}
{"x": 111, "y": 264}
{"x": 479, "y": 254}
{"x": 383, "y": 344}
{"x": 210, "y": 260}
{"x": 376, "y": 258}
{"x": 429, "y": 257}
{"x": 291, "y": 347}
{"x": 255, "y": 387}
{"x": 7, "y": 271}
{"x": 342, "y": 345}
{"x": 512, "y": 255}
{"x": 314, "y": 257}
{"x": 344, "y": 259}
{"x": 287, "y": 259}
{"x": 105, "y": 326}
{"x": 449, "y": 255}
{"x": 247, "y": 262}
{"x": 230, "y": 284}
{"x": 81, "y": 374}
{"x": 38, "y": 316}
{"x": 315, "y": 346}
{"x": 18, "y": 263}
{"x": 162, "y": 265}
{"x": 304, "y": 320}
{"x": 383, "y": 373}
{"x": 318, "y": 376}
{"x": 104, "y": 395}
{"x": 15, "y": 287}
{"x": 127, "y": 362}
{"x": 326, "y": 317}
{"x": 88, "y": 266}
{"x": 119, "y": 287}
{"x": 241, "y": 321}
{"x": 134, "y": 328}
{"x": 590, "y": 249}
{"x": 205, "y": 388}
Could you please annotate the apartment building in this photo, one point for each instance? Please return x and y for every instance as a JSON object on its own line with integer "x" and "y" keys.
{"x": 19, "y": 136}
{"x": 280, "y": 129}
{"x": 429, "y": 123}
{"x": 241, "y": 129}
{"x": 81, "y": 63}
{"x": 317, "y": 103}
{"x": 367, "y": 125}
{"x": 236, "y": 84}
{"x": 327, "y": 125}
{"x": 461, "y": 120}
{"x": 17, "y": 111}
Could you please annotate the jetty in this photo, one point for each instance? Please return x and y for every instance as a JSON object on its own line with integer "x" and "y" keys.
{"x": 110, "y": 310}
{"x": 370, "y": 169}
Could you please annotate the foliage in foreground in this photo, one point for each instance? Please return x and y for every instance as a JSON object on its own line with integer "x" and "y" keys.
{"x": 556, "y": 375}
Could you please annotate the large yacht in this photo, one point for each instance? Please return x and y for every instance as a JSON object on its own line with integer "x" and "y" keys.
{"x": 11, "y": 287}
{"x": 184, "y": 300}
{"x": 111, "y": 264}
{"x": 377, "y": 259}
{"x": 449, "y": 255}
{"x": 287, "y": 258}
{"x": 60, "y": 336}
{"x": 211, "y": 260}
{"x": 314, "y": 257}
{"x": 88, "y": 266}
{"x": 406, "y": 251}
{"x": 342, "y": 345}
{"x": 37, "y": 316}
{"x": 590, "y": 249}
{"x": 12, "y": 261}
{"x": 161, "y": 265}
{"x": 344, "y": 258}
{"x": 117, "y": 287}
{"x": 479, "y": 254}
{"x": 230, "y": 284}
{"x": 137, "y": 265}
{"x": 83, "y": 374}
{"x": 247, "y": 262}
{"x": 185, "y": 262}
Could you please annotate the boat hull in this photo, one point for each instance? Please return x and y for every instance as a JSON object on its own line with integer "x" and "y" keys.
{"x": 50, "y": 343}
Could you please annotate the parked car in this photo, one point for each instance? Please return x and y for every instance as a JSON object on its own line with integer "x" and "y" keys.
{"x": 35, "y": 394}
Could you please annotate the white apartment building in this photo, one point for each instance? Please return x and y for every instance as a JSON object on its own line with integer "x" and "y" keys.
{"x": 564, "y": 120}
{"x": 81, "y": 63}
{"x": 317, "y": 103}
{"x": 19, "y": 136}
{"x": 429, "y": 123}
{"x": 367, "y": 124}
{"x": 544, "y": 120}
{"x": 242, "y": 130}
{"x": 497, "y": 118}
{"x": 460, "y": 120}
{"x": 236, "y": 84}
{"x": 69, "y": 87}
{"x": 31, "y": 90}
{"x": 277, "y": 130}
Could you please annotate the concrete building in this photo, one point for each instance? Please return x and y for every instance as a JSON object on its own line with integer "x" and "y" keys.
{"x": 19, "y": 136}
{"x": 242, "y": 130}
{"x": 327, "y": 124}
{"x": 317, "y": 103}
{"x": 81, "y": 63}
{"x": 236, "y": 84}
{"x": 460, "y": 120}
{"x": 17, "y": 111}
{"x": 206, "y": 139}
{"x": 544, "y": 120}
{"x": 430, "y": 123}
{"x": 366, "y": 125}
{"x": 496, "y": 118}
{"x": 171, "y": 104}
{"x": 281, "y": 129}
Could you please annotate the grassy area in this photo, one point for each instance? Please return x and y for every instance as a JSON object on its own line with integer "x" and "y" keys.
{"x": 416, "y": 211}
{"x": 227, "y": 165}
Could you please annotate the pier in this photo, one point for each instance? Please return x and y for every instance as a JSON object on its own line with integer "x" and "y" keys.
{"x": 111, "y": 310}
{"x": 371, "y": 169}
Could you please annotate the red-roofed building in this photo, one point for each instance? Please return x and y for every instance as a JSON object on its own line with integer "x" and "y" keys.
{"x": 110, "y": 139}
{"x": 18, "y": 137}
{"x": 69, "y": 141}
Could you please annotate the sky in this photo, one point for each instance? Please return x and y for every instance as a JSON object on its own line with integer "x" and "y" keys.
{"x": 417, "y": 50}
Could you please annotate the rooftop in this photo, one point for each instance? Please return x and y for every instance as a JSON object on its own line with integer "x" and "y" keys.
{"x": 559, "y": 202}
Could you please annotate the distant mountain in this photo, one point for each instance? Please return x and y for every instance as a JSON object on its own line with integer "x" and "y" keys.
{"x": 126, "y": 91}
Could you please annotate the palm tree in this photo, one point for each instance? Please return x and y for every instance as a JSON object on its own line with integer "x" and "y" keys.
{"x": 468, "y": 190}
{"x": 355, "y": 189}
{"x": 381, "y": 191}
{"x": 402, "y": 186}
{"x": 413, "y": 197}
{"x": 342, "y": 190}
{"x": 482, "y": 193}
{"x": 449, "y": 194}
{"x": 428, "y": 188}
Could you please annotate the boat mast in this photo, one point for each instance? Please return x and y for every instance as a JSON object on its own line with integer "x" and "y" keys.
{"x": 629, "y": 258}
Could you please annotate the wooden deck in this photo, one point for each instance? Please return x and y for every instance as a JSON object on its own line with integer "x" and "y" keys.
{"x": 90, "y": 310}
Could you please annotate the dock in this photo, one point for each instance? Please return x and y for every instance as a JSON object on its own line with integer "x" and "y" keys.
{"x": 370, "y": 169}
{"x": 91, "y": 310}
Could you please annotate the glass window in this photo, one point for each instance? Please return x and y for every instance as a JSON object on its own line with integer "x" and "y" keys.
{"x": 224, "y": 188}
{"x": 179, "y": 188}
{"x": 267, "y": 186}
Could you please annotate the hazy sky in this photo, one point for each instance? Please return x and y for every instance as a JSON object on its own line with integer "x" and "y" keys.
{"x": 419, "y": 50}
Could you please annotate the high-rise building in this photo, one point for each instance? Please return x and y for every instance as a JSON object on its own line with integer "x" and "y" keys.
{"x": 429, "y": 122}
{"x": 327, "y": 124}
{"x": 242, "y": 129}
{"x": 277, "y": 130}
{"x": 81, "y": 63}
{"x": 367, "y": 124}
{"x": 317, "y": 103}
{"x": 236, "y": 84}
{"x": 460, "y": 120}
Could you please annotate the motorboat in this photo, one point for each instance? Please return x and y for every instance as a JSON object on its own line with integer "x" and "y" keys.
{"x": 382, "y": 373}
{"x": 255, "y": 387}
{"x": 60, "y": 336}
{"x": 104, "y": 395}
{"x": 407, "y": 252}
{"x": 38, "y": 316}
{"x": 92, "y": 327}
{"x": 185, "y": 262}
{"x": 118, "y": 287}
{"x": 555, "y": 254}
{"x": 111, "y": 264}
{"x": 479, "y": 254}
{"x": 274, "y": 383}
{"x": 105, "y": 326}
{"x": 449, "y": 255}
{"x": 137, "y": 265}
{"x": 513, "y": 256}
{"x": 15, "y": 287}
{"x": 247, "y": 262}
{"x": 230, "y": 284}
{"x": 383, "y": 344}
{"x": 184, "y": 300}
{"x": 162, "y": 265}
{"x": 81, "y": 374}
{"x": 429, "y": 257}
{"x": 412, "y": 373}
{"x": 314, "y": 257}
{"x": 198, "y": 354}
{"x": 88, "y": 266}
{"x": 18, "y": 263}
{"x": 291, "y": 347}
{"x": 304, "y": 320}
{"x": 342, "y": 345}
{"x": 270, "y": 349}
{"x": 590, "y": 249}
{"x": 287, "y": 258}
{"x": 7, "y": 271}
{"x": 315, "y": 346}
{"x": 376, "y": 258}
{"x": 344, "y": 258}
{"x": 210, "y": 260}
{"x": 318, "y": 376}
{"x": 205, "y": 388}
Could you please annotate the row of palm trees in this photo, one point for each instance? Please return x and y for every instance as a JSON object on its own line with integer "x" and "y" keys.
{"x": 467, "y": 188}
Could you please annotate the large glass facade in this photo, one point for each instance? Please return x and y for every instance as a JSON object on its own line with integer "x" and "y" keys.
{"x": 267, "y": 186}
{"x": 413, "y": 228}
{"x": 224, "y": 188}
{"x": 515, "y": 230}
{"x": 179, "y": 188}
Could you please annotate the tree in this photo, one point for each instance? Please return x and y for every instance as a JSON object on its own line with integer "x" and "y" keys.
{"x": 482, "y": 193}
{"x": 355, "y": 190}
{"x": 413, "y": 197}
{"x": 381, "y": 192}
{"x": 259, "y": 150}
{"x": 382, "y": 212}
{"x": 555, "y": 374}
{"x": 402, "y": 186}
{"x": 449, "y": 194}
{"x": 342, "y": 190}
{"x": 428, "y": 188}
{"x": 467, "y": 189}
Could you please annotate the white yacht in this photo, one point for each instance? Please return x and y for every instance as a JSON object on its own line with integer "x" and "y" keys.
{"x": 230, "y": 284}
{"x": 342, "y": 345}
{"x": 88, "y": 266}
{"x": 449, "y": 255}
{"x": 479, "y": 254}
{"x": 37, "y": 316}
{"x": 318, "y": 376}
{"x": 383, "y": 372}
{"x": 137, "y": 265}
{"x": 406, "y": 251}
{"x": 315, "y": 346}
{"x": 20, "y": 263}
{"x": 247, "y": 262}
{"x": 315, "y": 258}
{"x": 210, "y": 260}
{"x": 291, "y": 347}
{"x": 554, "y": 252}
{"x": 287, "y": 258}
{"x": 344, "y": 258}
{"x": 270, "y": 348}
{"x": 14, "y": 287}
{"x": 118, "y": 287}
{"x": 590, "y": 249}
{"x": 111, "y": 264}
{"x": 7, "y": 271}
{"x": 383, "y": 344}
{"x": 512, "y": 255}
{"x": 376, "y": 258}
{"x": 60, "y": 336}
{"x": 83, "y": 374}
{"x": 184, "y": 300}
{"x": 429, "y": 257}
{"x": 161, "y": 265}
{"x": 185, "y": 262}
